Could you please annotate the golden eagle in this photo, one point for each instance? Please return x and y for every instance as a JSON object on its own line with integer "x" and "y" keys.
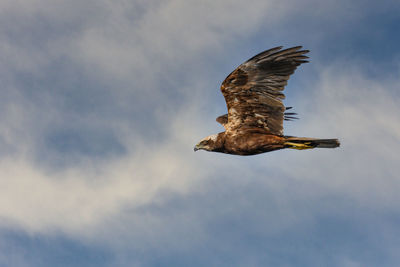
{"x": 253, "y": 95}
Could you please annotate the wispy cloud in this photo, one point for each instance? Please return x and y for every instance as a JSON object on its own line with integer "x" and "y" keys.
{"x": 131, "y": 53}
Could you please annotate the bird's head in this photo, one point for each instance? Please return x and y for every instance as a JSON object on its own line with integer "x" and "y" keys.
{"x": 209, "y": 143}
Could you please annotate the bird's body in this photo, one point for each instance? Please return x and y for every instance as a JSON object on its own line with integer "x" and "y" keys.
{"x": 253, "y": 94}
{"x": 248, "y": 142}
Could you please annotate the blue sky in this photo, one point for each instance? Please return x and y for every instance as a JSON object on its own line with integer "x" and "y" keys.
{"x": 101, "y": 103}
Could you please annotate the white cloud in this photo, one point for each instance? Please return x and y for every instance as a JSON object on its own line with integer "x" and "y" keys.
{"x": 107, "y": 41}
{"x": 362, "y": 113}
{"x": 344, "y": 105}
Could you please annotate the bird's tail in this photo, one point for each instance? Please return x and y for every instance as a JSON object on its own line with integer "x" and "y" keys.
{"x": 309, "y": 143}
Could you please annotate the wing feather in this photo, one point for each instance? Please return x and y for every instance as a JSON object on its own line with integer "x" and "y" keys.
{"x": 253, "y": 91}
{"x": 223, "y": 119}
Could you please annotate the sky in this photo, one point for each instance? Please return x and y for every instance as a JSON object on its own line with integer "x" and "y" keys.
{"x": 102, "y": 102}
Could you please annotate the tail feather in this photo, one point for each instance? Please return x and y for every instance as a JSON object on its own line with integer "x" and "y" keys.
{"x": 309, "y": 143}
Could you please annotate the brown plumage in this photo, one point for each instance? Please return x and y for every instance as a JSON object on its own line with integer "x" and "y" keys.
{"x": 253, "y": 95}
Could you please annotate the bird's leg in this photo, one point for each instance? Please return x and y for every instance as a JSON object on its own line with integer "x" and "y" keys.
{"x": 299, "y": 146}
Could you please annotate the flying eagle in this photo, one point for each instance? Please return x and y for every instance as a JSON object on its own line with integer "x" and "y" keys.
{"x": 253, "y": 95}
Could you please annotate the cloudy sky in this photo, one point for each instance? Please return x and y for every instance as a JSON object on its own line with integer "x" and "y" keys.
{"x": 101, "y": 103}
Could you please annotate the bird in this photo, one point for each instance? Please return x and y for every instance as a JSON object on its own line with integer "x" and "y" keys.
{"x": 253, "y": 94}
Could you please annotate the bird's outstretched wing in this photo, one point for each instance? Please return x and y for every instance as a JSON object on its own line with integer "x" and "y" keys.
{"x": 253, "y": 91}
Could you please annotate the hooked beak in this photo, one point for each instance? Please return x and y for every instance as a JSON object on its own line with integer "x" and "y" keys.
{"x": 196, "y": 148}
